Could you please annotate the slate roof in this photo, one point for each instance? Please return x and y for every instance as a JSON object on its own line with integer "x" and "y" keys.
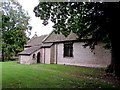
{"x": 46, "y": 41}
{"x": 60, "y": 37}
{"x": 35, "y": 41}
{"x": 30, "y": 50}
{"x": 35, "y": 44}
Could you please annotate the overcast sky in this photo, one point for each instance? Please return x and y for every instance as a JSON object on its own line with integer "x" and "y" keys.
{"x": 36, "y": 23}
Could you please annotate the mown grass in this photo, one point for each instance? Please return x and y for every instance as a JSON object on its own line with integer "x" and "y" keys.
{"x": 15, "y": 75}
{"x": 89, "y": 71}
{"x": 0, "y": 76}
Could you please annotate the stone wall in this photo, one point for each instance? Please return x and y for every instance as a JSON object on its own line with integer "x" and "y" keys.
{"x": 84, "y": 57}
{"x": 28, "y": 59}
{"x": 45, "y": 55}
{"x": 81, "y": 56}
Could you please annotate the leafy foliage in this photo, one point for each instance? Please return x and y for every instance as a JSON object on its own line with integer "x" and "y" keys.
{"x": 13, "y": 41}
{"x": 88, "y": 20}
{"x": 14, "y": 17}
{"x": 91, "y": 21}
{"x": 15, "y": 25}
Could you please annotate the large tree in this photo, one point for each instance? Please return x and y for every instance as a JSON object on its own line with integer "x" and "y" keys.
{"x": 15, "y": 25}
{"x": 92, "y": 21}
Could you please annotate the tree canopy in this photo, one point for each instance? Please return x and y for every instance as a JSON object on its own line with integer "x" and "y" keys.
{"x": 15, "y": 25}
{"x": 87, "y": 20}
{"x": 94, "y": 21}
{"x": 14, "y": 17}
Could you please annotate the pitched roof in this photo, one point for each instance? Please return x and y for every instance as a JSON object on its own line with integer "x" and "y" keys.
{"x": 35, "y": 44}
{"x": 30, "y": 50}
{"x": 38, "y": 42}
{"x": 35, "y": 41}
{"x": 60, "y": 37}
{"x": 47, "y": 44}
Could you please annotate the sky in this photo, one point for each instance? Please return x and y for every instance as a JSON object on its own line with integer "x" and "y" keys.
{"x": 35, "y": 22}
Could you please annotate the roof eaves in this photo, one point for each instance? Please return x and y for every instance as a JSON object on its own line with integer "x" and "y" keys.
{"x": 35, "y": 51}
{"x": 29, "y": 53}
{"x": 60, "y": 41}
{"x": 25, "y": 54}
{"x": 77, "y": 40}
{"x": 47, "y": 45}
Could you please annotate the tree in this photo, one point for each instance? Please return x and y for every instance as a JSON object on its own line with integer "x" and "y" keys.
{"x": 92, "y": 21}
{"x": 15, "y": 25}
{"x": 13, "y": 42}
{"x": 18, "y": 18}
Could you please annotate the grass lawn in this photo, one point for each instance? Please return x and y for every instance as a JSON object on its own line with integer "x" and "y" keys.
{"x": 15, "y": 75}
{"x": 0, "y": 76}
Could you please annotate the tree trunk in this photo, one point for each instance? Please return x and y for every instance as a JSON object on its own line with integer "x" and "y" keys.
{"x": 115, "y": 59}
{"x": 115, "y": 45}
{"x": 114, "y": 36}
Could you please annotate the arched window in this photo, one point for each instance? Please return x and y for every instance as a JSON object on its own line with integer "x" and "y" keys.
{"x": 33, "y": 56}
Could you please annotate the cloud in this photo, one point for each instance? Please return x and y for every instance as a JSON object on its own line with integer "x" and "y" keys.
{"x": 35, "y": 22}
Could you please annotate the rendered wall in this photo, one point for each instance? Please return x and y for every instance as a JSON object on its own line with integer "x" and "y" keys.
{"x": 25, "y": 59}
{"x": 81, "y": 56}
{"x": 45, "y": 55}
{"x": 84, "y": 56}
{"x": 42, "y": 55}
{"x": 52, "y": 54}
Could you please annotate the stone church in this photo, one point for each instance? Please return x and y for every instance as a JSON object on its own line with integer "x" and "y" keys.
{"x": 58, "y": 49}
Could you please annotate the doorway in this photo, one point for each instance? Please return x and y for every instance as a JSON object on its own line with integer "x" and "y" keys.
{"x": 38, "y": 57}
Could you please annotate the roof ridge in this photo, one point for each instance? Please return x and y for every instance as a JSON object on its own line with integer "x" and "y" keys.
{"x": 53, "y": 37}
{"x": 47, "y": 36}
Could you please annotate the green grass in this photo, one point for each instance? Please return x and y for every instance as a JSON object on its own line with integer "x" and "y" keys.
{"x": 0, "y": 76}
{"x": 73, "y": 69}
{"x": 15, "y": 75}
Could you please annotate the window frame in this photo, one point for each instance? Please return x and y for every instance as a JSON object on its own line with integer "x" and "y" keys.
{"x": 68, "y": 50}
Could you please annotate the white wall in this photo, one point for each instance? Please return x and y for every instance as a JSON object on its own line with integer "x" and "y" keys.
{"x": 55, "y": 51}
{"x": 84, "y": 57}
{"x": 52, "y": 54}
{"x": 25, "y": 59}
{"x": 45, "y": 55}
{"x": 42, "y": 55}
{"x": 81, "y": 56}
